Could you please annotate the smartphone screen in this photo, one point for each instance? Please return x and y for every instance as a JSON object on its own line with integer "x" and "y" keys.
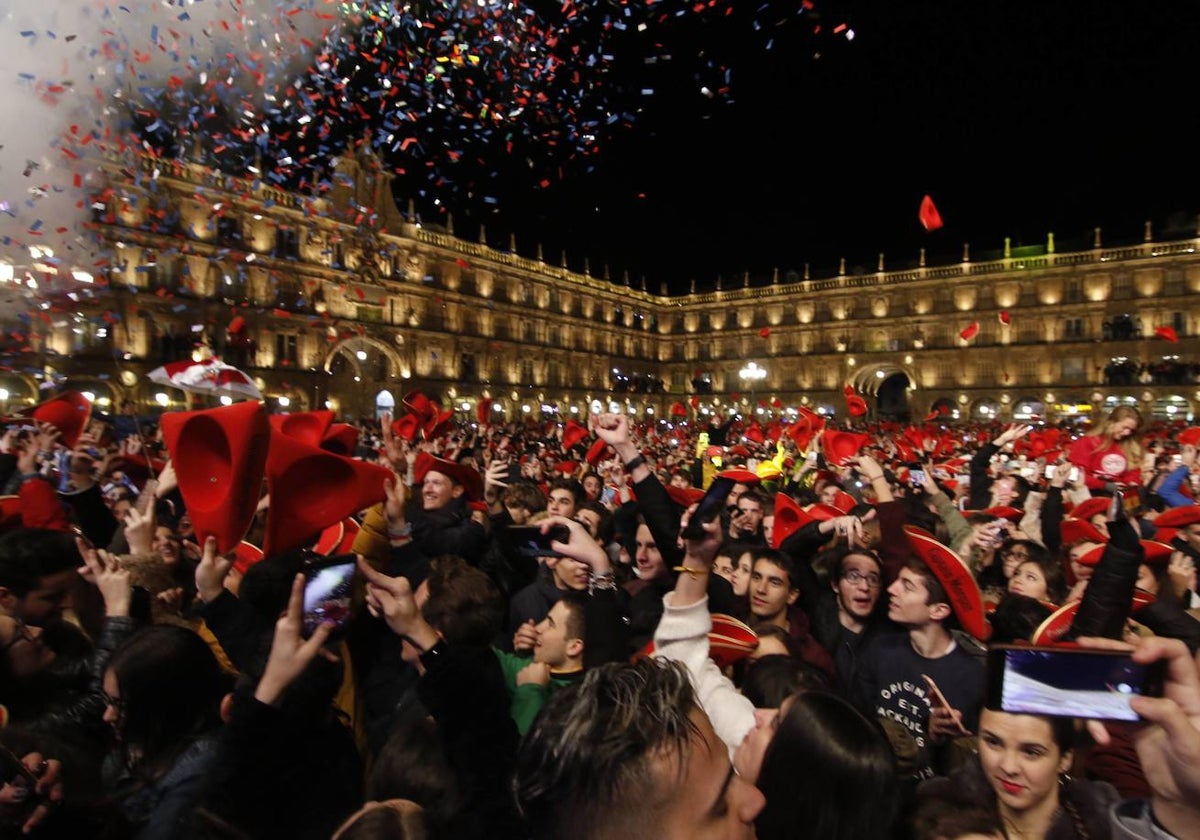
{"x": 709, "y": 507}
{"x": 327, "y": 593}
{"x": 1069, "y": 681}
{"x": 916, "y": 478}
{"x": 1051, "y": 469}
{"x": 531, "y": 542}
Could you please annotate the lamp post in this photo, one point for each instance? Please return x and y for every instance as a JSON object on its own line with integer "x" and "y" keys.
{"x": 753, "y": 374}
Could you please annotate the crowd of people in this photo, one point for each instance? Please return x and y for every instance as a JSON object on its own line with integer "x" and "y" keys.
{"x": 229, "y": 624}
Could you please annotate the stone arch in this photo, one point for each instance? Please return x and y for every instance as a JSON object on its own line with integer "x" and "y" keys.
{"x": 867, "y": 379}
{"x": 348, "y": 347}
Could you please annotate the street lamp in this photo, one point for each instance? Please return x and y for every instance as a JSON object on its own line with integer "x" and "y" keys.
{"x": 753, "y": 374}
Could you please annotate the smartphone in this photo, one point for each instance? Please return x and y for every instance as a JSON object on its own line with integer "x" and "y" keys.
{"x": 1051, "y": 469}
{"x": 1073, "y": 475}
{"x": 1069, "y": 681}
{"x": 328, "y": 589}
{"x": 610, "y": 493}
{"x": 531, "y": 542}
{"x": 916, "y": 478}
{"x": 709, "y": 507}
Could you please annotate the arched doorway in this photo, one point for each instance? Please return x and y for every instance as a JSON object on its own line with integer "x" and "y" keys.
{"x": 889, "y": 384}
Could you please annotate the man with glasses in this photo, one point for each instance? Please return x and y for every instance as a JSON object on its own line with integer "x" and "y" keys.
{"x": 844, "y": 622}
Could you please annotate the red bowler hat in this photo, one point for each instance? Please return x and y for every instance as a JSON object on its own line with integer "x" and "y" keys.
{"x": 305, "y": 426}
{"x": 685, "y": 497}
{"x": 340, "y": 439}
{"x": 573, "y": 434}
{"x": 1090, "y": 507}
{"x": 729, "y": 641}
{"x": 1059, "y": 622}
{"x": 960, "y": 585}
{"x": 312, "y": 489}
{"x": 10, "y": 513}
{"x": 220, "y": 456}
{"x": 246, "y": 555}
{"x": 468, "y": 477}
{"x": 741, "y": 476}
{"x": 842, "y": 446}
{"x": 1178, "y": 517}
{"x": 596, "y": 452}
{"x": 338, "y": 538}
{"x": 1075, "y": 530}
{"x": 407, "y": 427}
{"x": 69, "y": 412}
{"x": 789, "y": 518}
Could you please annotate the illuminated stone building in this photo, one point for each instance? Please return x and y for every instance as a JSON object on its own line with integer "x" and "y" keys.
{"x": 351, "y": 304}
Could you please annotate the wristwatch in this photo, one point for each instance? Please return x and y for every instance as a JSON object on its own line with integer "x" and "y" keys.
{"x": 396, "y": 534}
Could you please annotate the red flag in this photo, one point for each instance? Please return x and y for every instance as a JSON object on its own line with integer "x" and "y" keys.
{"x": 930, "y": 218}
{"x": 970, "y": 331}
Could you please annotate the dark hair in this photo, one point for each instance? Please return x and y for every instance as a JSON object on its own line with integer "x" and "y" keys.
{"x": 524, "y": 493}
{"x": 1052, "y": 571}
{"x": 824, "y": 756}
{"x": 755, "y": 495}
{"x": 464, "y": 604}
{"x": 939, "y": 818}
{"x": 771, "y": 679}
{"x": 576, "y": 604}
{"x": 384, "y": 823}
{"x": 29, "y": 554}
{"x": 606, "y": 528}
{"x": 780, "y": 559}
{"x": 412, "y": 764}
{"x": 935, "y": 593}
{"x": 571, "y": 485}
{"x": 1016, "y": 617}
{"x": 592, "y": 766}
{"x": 171, "y": 687}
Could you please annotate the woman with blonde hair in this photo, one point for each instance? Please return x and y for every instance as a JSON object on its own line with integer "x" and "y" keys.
{"x": 1109, "y": 457}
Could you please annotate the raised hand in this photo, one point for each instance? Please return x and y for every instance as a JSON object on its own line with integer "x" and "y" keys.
{"x": 103, "y": 570}
{"x": 211, "y": 571}
{"x": 526, "y": 637}
{"x": 291, "y": 653}
{"x": 139, "y": 530}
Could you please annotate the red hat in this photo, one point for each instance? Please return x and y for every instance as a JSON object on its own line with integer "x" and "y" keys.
{"x": 928, "y": 215}
{"x": 1157, "y": 553}
{"x": 340, "y": 439}
{"x": 1076, "y": 530}
{"x": 841, "y": 446}
{"x": 1165, "y": 534}
{"x": 740, "y": 476}
{"x": 729, "y": 641}
{"x": 961, "y": 588}
{"x": 1092, "y": 556}
{"x": 407, "y": 427}
{"x": 1090, "y": 507}
{"x": 567, "y": 467}
{"x": 1008, "y": 512}
{"x": 755, "y": 434}
{"x": 139, "y": 468}
{"x": 220, "y": 456}
{"x": 856, "y": 405}
{"x": 1059, "y": 622}
{"x": 468, "y": 477}
{"x": 305, "y": 426}
{"x": 418, "y": 404}
{"x": 437, "y": 423}
{"x": 1189, "y": 436}
{"x": 483, "y": 410}
{"x": 10, "y": 513}
{"x": 739, "y": 451}
{"x": 573, "y": 434}
{"x": 312, "y": 489}
{"x": 678, "y": 409}
{"x": 969, "y": 331}
{"x": 685, "y": 497}
{"x": 337, "y": 538}
{"x": 1167, "y": 333}
{"x": 69, "y": 412}
{"x": 789, "y": 518}
{"x": 596, "y": 452}
{"x": 246, "y": 555}
{"x": 1178, "y": 517}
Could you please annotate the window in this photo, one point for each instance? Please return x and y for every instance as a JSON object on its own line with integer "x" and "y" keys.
{"x": 1073, "y": 371}
{"x": 287, "y": 244}
{"x": 1073, "y": 328}
{"x": 286, "y": 351}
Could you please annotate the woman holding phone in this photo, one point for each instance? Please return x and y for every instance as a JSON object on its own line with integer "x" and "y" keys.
{"x": 1110, "y": 455}
{"x": 1022, "y": 773}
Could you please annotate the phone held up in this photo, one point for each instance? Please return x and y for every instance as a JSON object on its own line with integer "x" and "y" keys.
{"x": 529, "y": 540}
{"x": 1069, "y": 681}
{"x": 709, "y": 507}
{"x": 328, "y": 592}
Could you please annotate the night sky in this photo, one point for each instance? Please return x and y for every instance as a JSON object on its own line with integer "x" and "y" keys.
{"x": 1017, "y": 119}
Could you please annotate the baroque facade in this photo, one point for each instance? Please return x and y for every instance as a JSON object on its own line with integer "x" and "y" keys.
{"x": 348, "y": 303}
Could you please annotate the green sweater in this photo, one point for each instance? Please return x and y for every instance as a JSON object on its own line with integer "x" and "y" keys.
{"x": 528, "y": 699}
